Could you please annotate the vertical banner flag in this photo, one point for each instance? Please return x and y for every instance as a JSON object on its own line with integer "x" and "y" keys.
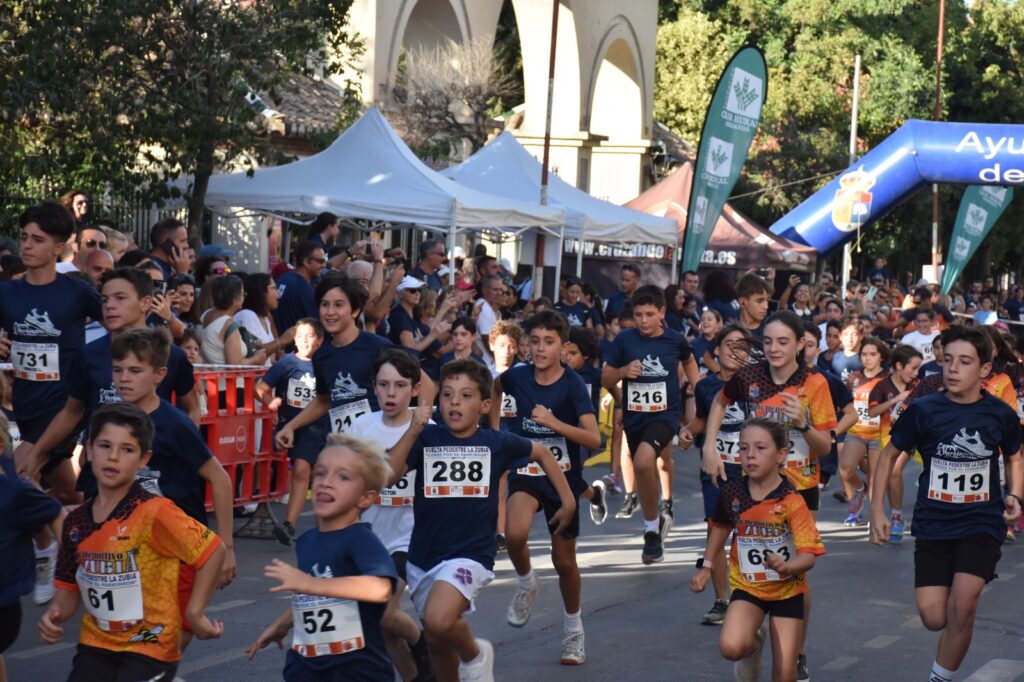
{"x": 980, "y": 208}
{"x": 725, "y": 138}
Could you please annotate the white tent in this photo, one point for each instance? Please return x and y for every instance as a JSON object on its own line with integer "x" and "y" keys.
{"x": 504, "y": 167}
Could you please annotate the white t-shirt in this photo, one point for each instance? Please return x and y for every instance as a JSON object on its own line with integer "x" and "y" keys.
{"x": 484, "y": 323}
{"x": 922, "y": 342}
{"x": 257, "y": 327}
{"x": 66, "y": 266}
{"x": 393, "y": 525}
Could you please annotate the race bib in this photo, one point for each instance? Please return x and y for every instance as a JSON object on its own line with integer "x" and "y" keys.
{"x": 959, "y": 482}
{"x": 114, "y": 600}
{"x": 300, "y": 393}
{"x": 401, "y": 494}
{"x": 647, "y": 397}
{"x": 799, "y": 455}
{"x": 863, "y": 418}
{"x": 558, "y": 448}
{"x": 457, "y": 471}
{"x": 342, "y": 416}
{"x": 508, "y": 405}
{"x": 754, "y": 550}
{"x": 35, "y": 361}
{"x": 324, "y": 626}
{"x": 727, "y": 445}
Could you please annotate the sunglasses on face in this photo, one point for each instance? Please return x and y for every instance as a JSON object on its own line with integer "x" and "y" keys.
{"x": 92, "y": 243}
{"x": 321, "y": 261}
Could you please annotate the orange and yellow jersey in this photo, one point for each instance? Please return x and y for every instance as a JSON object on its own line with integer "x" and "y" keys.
{"x": 860, "y": 385}
{"x": 125, "y": 569}
{"x": 884, "y": 391}
{"x": 779, "y": 524}
{"x": 1000, "y": 385}
{"x": 757, "y": 395}
{"x": 1016, "y": 372}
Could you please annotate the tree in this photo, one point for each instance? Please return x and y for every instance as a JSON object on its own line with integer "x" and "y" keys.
{"x": 449, "y": 94}
{"x": 133, "y": 93}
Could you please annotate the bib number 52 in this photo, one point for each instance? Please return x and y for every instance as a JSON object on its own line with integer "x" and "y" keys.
{"x": 317, "y": 621}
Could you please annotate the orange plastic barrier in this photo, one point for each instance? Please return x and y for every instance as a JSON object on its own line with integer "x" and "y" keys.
{"x": 240, "y": 433}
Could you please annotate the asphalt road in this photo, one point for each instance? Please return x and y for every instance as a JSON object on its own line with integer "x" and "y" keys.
{"x": 642, "y": 622}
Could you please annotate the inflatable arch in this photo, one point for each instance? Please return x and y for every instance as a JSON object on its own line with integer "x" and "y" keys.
{"x": 918, "y": 154}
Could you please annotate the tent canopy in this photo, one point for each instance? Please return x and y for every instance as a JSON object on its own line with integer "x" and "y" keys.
{"x": 368, "y": 172}
{"x": 736, "y": 242}
{"x": 505, "y": 168}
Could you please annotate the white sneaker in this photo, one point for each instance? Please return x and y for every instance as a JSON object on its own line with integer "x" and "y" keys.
{"x": 572, "y": 649}
{"x": 482, "y": 671}
{"x": 749, "y": 669}
{"x": 46, "y": 566}
{"x": 522, "y": 602}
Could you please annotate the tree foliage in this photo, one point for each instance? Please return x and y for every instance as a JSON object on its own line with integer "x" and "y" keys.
{"x": 124, "y": 94}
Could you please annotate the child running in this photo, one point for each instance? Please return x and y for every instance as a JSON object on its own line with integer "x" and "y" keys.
{"x": 344, "y": 576}
{"x": 961, "y": 514}
{"x": 553, "y": 408}
{"x": 862, "y": 438}
{"x": 775, "y": 543}
{"x": 120, "y": 557}
{"x": 452, "y": 549}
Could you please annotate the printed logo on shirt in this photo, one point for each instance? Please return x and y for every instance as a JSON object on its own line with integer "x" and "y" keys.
{"x": 36, "y": 324}
{"x": 317, "y": 573}
{"x": 651, "y": 367}
{"x": 345, "y": 388}
{"x": 280, "y": 289}
{"x": 574, "y": 321}
{"x": 964, "y": 446}
{"x": 733, "y": 414}
{"x": 533, "y": 427}
{"x": 109, "y": 395}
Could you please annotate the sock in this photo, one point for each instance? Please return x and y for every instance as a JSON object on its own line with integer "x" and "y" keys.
{"x": 897, "y": 513}
{"x": 527, "y": 581}
{"x": 573, "y": 622}
{"x": 651, "y": 526}
{"x": 940, "y": 674}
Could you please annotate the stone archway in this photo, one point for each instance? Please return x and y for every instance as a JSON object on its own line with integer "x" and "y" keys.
{"x": 427, "y": 25}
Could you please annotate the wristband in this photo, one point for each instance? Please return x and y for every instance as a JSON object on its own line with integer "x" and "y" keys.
{"x": 704, "y": 563}
{"x": 1020, "y": 503}
{"x": 805, "y": 428}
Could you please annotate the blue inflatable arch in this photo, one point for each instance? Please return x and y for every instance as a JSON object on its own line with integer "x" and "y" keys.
{"x": 918, "y": 154}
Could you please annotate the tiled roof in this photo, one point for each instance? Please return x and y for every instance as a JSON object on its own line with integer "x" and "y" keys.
{"x": 310, "y": 106}
{"x": 677, "y": 149}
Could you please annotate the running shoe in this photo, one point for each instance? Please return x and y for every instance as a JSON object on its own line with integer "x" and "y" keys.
{"x": 522, "y": 602}
{"x": 46, "y": 566}
{"x": 857, "y": 501}
{"x": 482, "y": 671}
{"x": 665, "y": 522}
{"x": 665, "y": 507}
{"x": 502, "y": 543}
{"x": 801, "y": 669}
{"x": 598, "y": 503}
{"x": 840, "y": 496}
{"x": 1010, "y": 537}
{"x": 748, "y": 669}
{"x": 629, "y": 505}
{"x": 611, "y": 481}
{"x": 896, "y": 529}
{"x": 653, "y": 550}
{"x": 852, "y": 520}
{"x": 716, "y": 616}
{"x": 572, "y": 649}
{"x": 285, "y": 534}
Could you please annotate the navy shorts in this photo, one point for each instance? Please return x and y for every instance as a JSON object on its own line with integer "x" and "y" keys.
{"x": 307, "y": 444}
{"x": 523, "y": 484}
{"x": 710, "y": 492}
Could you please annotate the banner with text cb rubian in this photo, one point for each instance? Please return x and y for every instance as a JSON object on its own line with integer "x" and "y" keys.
{"x": 980, "y": 208}
{"x": 729, "y": 128}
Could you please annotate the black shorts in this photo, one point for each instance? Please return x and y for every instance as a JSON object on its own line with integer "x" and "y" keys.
{"x": 936, "y": 561}
{"x": 812, "y": 496}
{"x": 307, "y": 444}
{"x": 10, "y": 624}
{"x": 91, "y": 664}
{"x": 521, "y": 484}
{"x": 400, "y": 559}
{"x": 657, "y": 434}
{"x": 33, "y": 429}
{"x": 791, "y": 607}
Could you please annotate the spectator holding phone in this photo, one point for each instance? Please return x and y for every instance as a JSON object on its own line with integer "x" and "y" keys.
{"x": 169, "y": 247}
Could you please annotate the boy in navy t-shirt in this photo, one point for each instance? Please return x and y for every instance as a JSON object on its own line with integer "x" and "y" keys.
{"x": 344, "y": 577}
{"x": 463, "y": 341}
{"x": 451, "y": 553}
{"x": 647, "y": 360}
{"x": 960, "y": 516}
{"x": 552, "y": 406}
{"x": 288, "y": 387}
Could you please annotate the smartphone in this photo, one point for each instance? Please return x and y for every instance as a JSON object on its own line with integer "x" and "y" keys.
{"x": 762, "y": 272}
{"x": 168, "y": 247}
{"x": 159, "y": 288}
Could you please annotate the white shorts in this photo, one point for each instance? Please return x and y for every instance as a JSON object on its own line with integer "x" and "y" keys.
{"x": 393, "y": 525}
{"x": 465, "y": 575}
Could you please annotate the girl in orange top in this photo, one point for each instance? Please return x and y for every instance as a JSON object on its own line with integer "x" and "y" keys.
{"x": 862, "y": 438}
{"x": 887, "y": 402}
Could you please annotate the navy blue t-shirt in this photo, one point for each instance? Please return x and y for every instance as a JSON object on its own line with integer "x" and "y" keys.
{"x": 841, "y": 397}
{"x": 958, "y": 492}
{"x": 179, "y": 451}
{"x": 456, "y": 507}
{"x": 294, "y": 383}
{"x": 296, "y": 300}
{"x": 728, "y": 444}
{"x": 577, "y": 314}
{"x": 843, "y": 365}
{"x": 568, "y": 399}
{"x": 654, "y": 395}
{"x": 24, "y": 510}
{"x": 46, "y": 325}
{"x": 450, "y": 357}
{"x": 327, "y": 621}
{"x": 615, "y": 303}
{"x": 345, "y": 375}
{"x": 929, "y": 368}
{"x": 592, "y": 379}
{"x": 433, "y": 280}
{"x": 729, "y": 310}
{"x": 700, "y": 345}
{"x": 401, "y": 321}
